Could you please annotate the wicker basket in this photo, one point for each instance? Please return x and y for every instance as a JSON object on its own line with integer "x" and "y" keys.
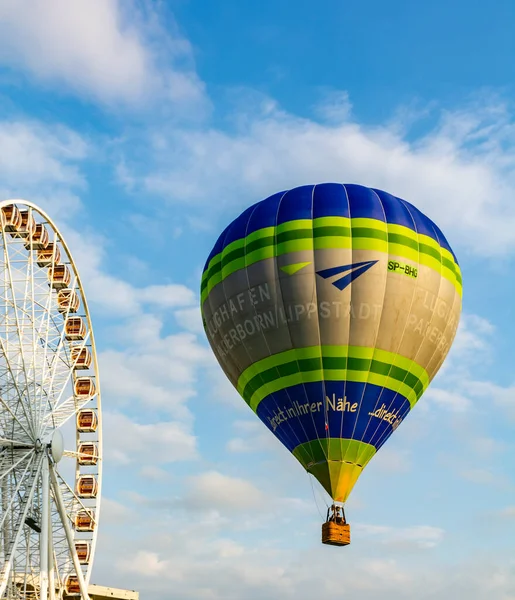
{"x": 335, "y": 534}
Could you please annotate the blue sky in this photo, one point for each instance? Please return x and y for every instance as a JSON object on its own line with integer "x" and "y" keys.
{"x": 143, "y": 128}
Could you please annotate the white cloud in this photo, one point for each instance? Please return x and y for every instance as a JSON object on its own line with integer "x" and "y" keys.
{"x": 508, "y": 512}
{"x": 503, "y": 397}
{"x": 152, "y": 371}
{"x": 40, "y": 152}
{"x": 166, "y": 296}
{"x": 447, "y": 400}
{"x": 391, "y": 460}
{"x": 130, "y": 442}
{"x": 148, "y": 564}
{"x": 484, "y": 477}
{"x": 461, "y": 173}
{"x": 486, "y": 446}
{"x": 221, "y": 492}
{"x": 202, "y": 561}
{"x": 114, "y": 512}
{"x": 111, "y": 293}
{"x": 421, "y": 536}
{"x": 222, "y": 390}
{"x": 153, "y": 473}
{"x": 473, "y": 338}
{"x": 253, "y": 436}
{"x": 42, "y": 163}
{"x": 190, "y": 319}
{"x": 105, "y": 50}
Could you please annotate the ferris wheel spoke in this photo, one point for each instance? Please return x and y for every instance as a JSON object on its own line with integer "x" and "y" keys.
{"x": 18, "y": 443}
{"x": 19, "y": 330}
{"x": 44, "y": 342}
{"x": 29, "y": 331}
{"x": 65, "y": 363}
{"x": 62, "y": 412}
{"x": 35, "y": 330}
{"x": 20, "y": 398}
{"x": 72, "y": 502}
{"x": 8, "y": 464}
{"x": 50, "y": 368}
{"x": 10, "y": 495}
{"x": 66, "y": 409}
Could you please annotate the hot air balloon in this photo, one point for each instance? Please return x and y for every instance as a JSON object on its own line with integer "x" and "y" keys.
{"x": 330, "y": 308}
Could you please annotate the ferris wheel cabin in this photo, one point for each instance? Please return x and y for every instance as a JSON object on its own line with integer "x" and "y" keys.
{"x": 84, "y": 387}
{"x": 59, "y": 277}
{"x": 71, "y": 585}
{"x": 27, "y": 225}
{"x": 10, "y": 217}
{"x": 39, "y": 239}
{"x": 87, "y": 421}
{"x": 83, "y": 550}
{"x": 48, "y": 255}
{"x": 74, "y": 329}
{"x": 87, "y": 454}
{"x": 87, "y": 486}
{"x": 84, "y": 521}
{"x": 67, "y": 301}
{"x": 81, "y": 357}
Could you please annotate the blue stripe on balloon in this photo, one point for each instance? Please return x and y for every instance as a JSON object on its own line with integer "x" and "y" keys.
{"x": 218, "y": 247}
{"x": 396, "y": 212}
{"x": 265, "y": 213}
{"x": 425, "y": 226}
{"x": 364, "y": 203}
{"x": 443, "y": 242}
{"x": 296, "y": 204}
{"x": 401, "y": 212}
{"x": 238, "y": 228}
{"x": 329, "y": 200}
{"x": 296, "y": 428}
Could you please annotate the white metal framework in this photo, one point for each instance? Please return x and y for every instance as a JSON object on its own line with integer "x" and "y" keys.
{"x": 49, "y": 398}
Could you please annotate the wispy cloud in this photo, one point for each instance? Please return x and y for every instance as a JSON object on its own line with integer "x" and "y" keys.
{"x": 461, "y": 172}
{"x": 417, "y": 537}
{"x": 129, "y": 442}
{"x": 43, "y": 163}
{"x": 105, "y": 51}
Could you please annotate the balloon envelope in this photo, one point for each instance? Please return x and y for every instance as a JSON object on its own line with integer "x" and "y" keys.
{"x": 330, "y": 308}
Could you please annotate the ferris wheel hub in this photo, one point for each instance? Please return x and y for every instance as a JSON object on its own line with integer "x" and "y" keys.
{"x": 57, "y": 446}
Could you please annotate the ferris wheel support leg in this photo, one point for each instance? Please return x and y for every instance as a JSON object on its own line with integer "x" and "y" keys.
{"x": 51, "y": 578}
{"x": 43, "y": 538}
{"x": 4, "y": 574}
{"x": 69, "y": 536}
{"x": 5, "y": 533}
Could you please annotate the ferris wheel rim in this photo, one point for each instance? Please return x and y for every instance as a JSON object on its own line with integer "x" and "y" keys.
{"x": 97, "y": 397}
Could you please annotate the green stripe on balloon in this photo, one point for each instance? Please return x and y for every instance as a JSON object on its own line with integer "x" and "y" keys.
{"x": 338, "y": 449}
{"x": 401, "y": 242}
{"x": 319, "y": 363}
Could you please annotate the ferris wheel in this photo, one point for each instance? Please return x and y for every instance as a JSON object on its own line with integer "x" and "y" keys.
{"x": 50, "y": 415}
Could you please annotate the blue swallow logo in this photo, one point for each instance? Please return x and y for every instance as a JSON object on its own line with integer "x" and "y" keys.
{"x": 355, "y": 269}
